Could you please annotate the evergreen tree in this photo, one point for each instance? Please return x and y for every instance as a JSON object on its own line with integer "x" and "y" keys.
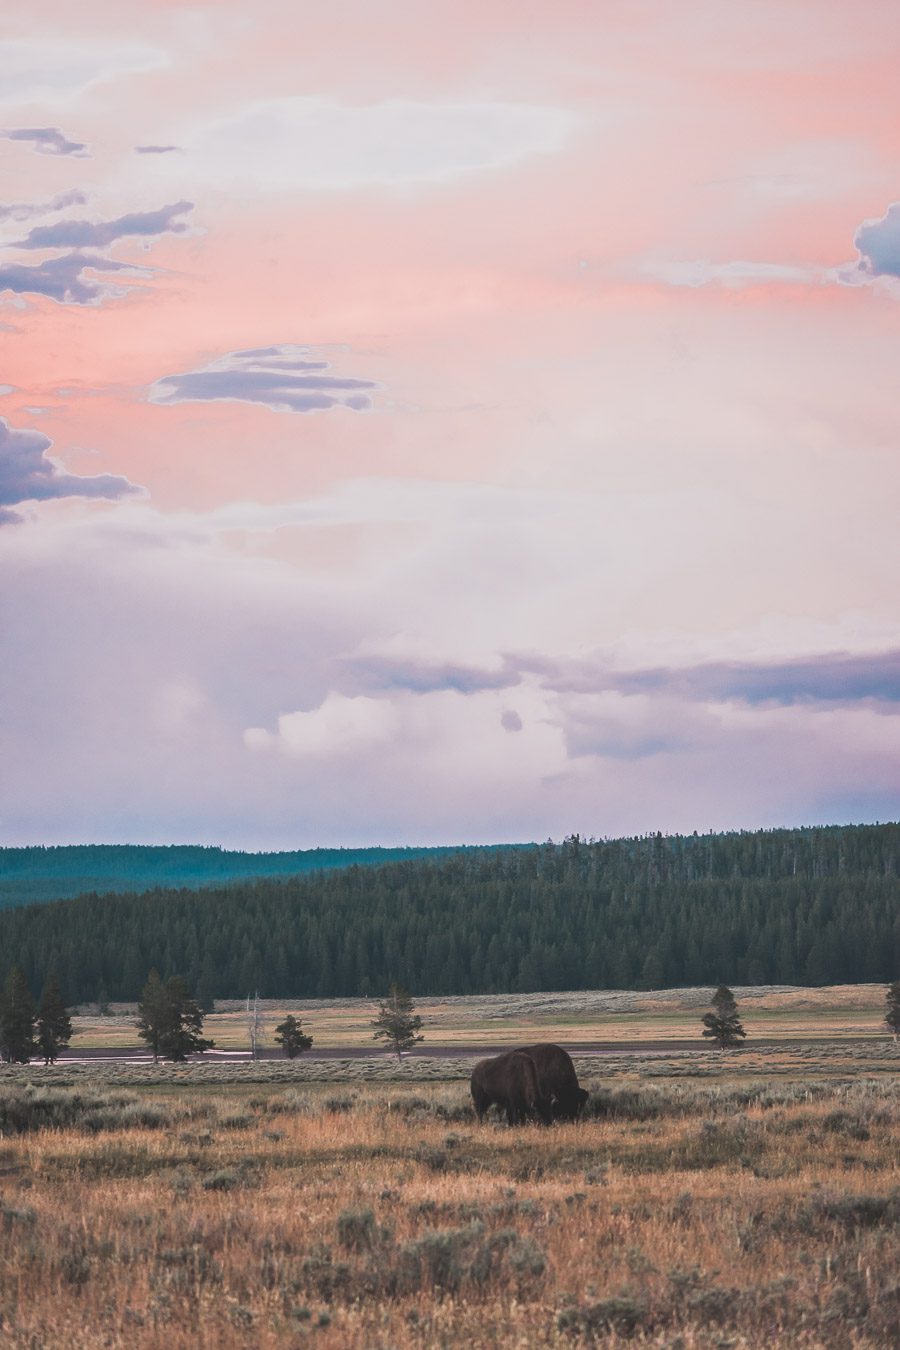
{"x": 892, "y": 1009}
{"x": 169, "y": 1020}
{"x": 152, "y": 1013}
{"x": 17, "y": 1018}
{"x": 206, "y": 985}
{"x": 183, "y": 1031}
{"x": 723, "y": 1024}
{"x": 397, "y": 1022}
{"x": 290, "y": 1036}
{"x": 54, "y": 1025}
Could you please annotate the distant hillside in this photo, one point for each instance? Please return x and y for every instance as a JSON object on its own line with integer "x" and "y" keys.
{"x": 813, "y": 906}
{"x": 31, "y": 875}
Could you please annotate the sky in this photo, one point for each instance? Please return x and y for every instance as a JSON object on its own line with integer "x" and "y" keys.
{"x": 447, "y": 423}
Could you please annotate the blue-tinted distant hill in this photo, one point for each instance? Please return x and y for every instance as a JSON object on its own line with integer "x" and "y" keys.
{"x": 31, "y": 875}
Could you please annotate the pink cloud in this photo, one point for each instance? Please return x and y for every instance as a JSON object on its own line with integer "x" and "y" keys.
{"x": 585, "y": 268}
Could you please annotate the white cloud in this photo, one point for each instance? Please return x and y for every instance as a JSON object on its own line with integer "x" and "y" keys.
{"x": 339, "y": 726}
{"x": 444, "y": 743}
{"x": 55, "y": 72}
{"x": 701, "y": 272}
{"x": 316, "y": 144}
{"x": 122, "y": 651}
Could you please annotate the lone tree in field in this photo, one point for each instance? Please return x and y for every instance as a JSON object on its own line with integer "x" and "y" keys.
{"x": 54, "y": 1025}
{"x": 169, "y": 1020}
{"x": 291, "y": 1037}
{"x": 723, "y": 1024}
{"x": 16, "y": 1020}
{"x": 892, "y": 1009}
{"x": 151, "y": 1016}
{"x": 397, "y": 1022}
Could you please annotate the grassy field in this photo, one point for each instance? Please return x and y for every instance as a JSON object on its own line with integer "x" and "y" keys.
{"x": 836, "y": 1013}
{"x": 707, "y": 1200}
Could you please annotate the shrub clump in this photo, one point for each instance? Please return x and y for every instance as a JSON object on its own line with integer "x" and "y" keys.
{"x": 356, "y": 1229}
{"x": 441, "y": 1260}
{"x": 29, "y": 1109}
{"x": 226, "y": 1179}
{"x": 620, "y": 1315}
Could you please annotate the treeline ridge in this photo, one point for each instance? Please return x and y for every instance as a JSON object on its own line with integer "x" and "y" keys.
{"x": 811, "y": 906}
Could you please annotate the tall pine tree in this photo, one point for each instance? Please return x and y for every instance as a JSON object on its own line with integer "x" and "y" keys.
{"x": 54, "y": 1025}
{"x": 16, "y": 1019}
{"x": 397, "y": 1022}
{"x": 291, "y": 1037}
{"x": 169, "y": 1020}
{"x": 151, "y": 1018}
{"x": 723, "y": 1024}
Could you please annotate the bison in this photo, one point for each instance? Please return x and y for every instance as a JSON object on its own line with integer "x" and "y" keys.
{"x": 511, "y": 1082}
{"x": 558, "y": 1080}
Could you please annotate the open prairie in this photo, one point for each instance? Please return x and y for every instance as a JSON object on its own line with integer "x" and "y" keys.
{"x": 746, "y": 1199}
{"x": 835, "y": 1012}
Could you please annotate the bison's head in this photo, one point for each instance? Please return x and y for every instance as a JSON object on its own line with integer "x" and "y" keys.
{"x": 571, "y": 1105}
{"x": 544, "y": 1109}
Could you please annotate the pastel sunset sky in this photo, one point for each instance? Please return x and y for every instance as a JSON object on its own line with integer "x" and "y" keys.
{"x": 447, "y": 422}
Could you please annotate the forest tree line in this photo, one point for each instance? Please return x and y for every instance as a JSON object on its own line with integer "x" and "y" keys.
{"x": 812, "y": 906}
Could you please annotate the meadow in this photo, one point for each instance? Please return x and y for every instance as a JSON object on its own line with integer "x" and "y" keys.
{"x": 833, "y": 1012}
{"x": 744, "y": 1199}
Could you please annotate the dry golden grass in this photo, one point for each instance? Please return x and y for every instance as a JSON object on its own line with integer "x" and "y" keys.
{"x": 238, "y": 1213}
{"x": 836, "y": 1011}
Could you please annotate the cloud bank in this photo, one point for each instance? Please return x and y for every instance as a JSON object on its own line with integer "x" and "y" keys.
{"x": 102, "y": 233}
{"x": 48, "y": 141}
{"x": 68, "y": 278}
{"x": 21, "y": 211}
{"x": 826, "y": 678}
{"x": 281, "y": 378}
{"x": 878, "y": 242}
{"x": 833, "y": 677}
{"x": 319, "y": 144}
{"x": 339, "y": 726}
{"x": 28, "y": 474}
{"x": 40, "y": 71}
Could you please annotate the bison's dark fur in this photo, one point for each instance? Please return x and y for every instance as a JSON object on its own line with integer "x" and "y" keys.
{"x": 511, "y": 1082}
{"x": 558, "y": 1080}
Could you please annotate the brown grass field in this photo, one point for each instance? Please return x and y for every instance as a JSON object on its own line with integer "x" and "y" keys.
{"x": 836, "y": 1012}
{"x": 746, "y": 1199}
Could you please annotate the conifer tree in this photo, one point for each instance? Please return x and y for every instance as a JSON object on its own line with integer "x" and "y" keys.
{"x": 291, "y": 1037}
{"x": 397, "y": 1022}
{"x": 16, "y": 1020}
{"x": 54, "y": 1025}
{"x": 151, "y": 1018}
{"x": 183, "y": 1031}
{"x": 169, "y": 1020}
{"x": 892, "y": 1009}
{"x": 723, "y": 1024}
